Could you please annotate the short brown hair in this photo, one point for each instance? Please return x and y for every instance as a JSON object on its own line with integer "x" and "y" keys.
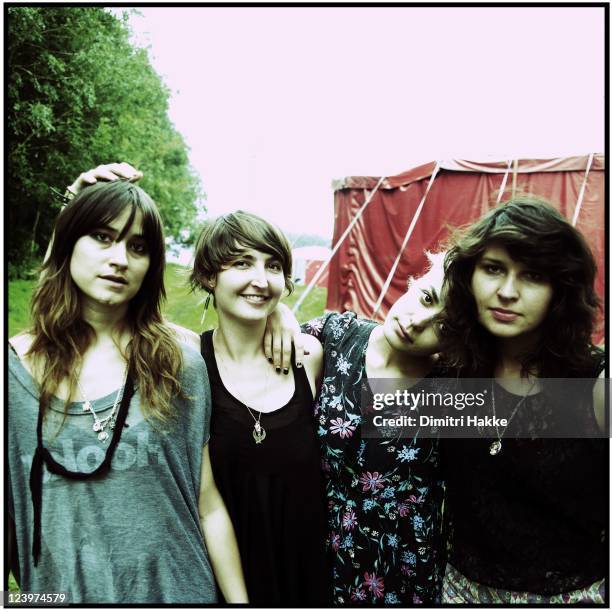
{"x": 224, "y": 239}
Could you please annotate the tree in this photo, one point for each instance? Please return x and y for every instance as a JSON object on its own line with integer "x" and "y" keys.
{"x": 80, "y": 94}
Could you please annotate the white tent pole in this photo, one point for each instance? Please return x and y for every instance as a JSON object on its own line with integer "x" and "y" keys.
{"x": 514, "y": 174}
{"x": 504, "y": 181}
{"x": 406, "y": 239}
{"x": 582, "y": 189}
{"x": 323, "y": 267}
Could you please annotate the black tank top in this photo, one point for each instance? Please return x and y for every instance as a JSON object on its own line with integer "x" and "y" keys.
{"x": 273, "y": 491}
{"x": 532, "y": 518}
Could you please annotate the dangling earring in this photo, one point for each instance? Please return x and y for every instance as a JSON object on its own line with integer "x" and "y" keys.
{"x": 206, "y": 304}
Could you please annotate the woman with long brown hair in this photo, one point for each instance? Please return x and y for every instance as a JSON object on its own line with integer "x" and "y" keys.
{"x": 527, "y": 506}
{"x": 110, "y": 487}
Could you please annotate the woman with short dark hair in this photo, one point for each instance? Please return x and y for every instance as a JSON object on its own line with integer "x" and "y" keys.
{"x": 264, "y": 451}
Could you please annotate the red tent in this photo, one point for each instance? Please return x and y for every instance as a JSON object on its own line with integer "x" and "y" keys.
{"x": 460, "y": 192}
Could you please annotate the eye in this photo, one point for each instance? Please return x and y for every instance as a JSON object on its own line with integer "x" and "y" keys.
{"x": 275, "y": 266}
{"x": 102, "y": 237}
{"x": 241, "y": 264}
{"x": 140, "y": 248}
{"x": 426, "y": 298}
{"x": 492, "y": 269}
{"x": 533, "y": 276}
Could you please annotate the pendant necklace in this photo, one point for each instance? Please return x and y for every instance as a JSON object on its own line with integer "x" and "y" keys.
{"x": 496, "y": 446}
{"x": 259, "y": 433}
{"x": 100, "y": 424}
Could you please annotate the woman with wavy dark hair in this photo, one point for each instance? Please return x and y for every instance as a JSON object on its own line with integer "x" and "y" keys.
{"x": 527, "y": 514}
{"x": 110, "y": 486}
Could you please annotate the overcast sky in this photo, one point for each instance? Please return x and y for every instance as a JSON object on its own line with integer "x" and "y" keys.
{"x": 276, "y": 102}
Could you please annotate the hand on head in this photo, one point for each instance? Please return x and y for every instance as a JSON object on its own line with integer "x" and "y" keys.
{"x": 105, "y": 172}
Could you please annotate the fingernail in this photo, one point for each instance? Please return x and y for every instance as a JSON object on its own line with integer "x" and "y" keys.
{"x": 269, "y": 359}
{"x": 299, "y": 364}
{"x": 277, "y": 369}
{"x": 285, "y": 371}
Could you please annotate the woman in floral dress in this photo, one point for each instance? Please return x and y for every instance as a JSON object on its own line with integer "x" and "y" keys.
{"x": 384, "y": 494}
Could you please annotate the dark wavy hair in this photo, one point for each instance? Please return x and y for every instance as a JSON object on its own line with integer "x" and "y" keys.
{"x": 60, "y": 334}
{"x": 224, "y": 239}
{"x": 538, "y": 236}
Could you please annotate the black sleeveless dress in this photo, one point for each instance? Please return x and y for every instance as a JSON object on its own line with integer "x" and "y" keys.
{"x": 273, "y": 492}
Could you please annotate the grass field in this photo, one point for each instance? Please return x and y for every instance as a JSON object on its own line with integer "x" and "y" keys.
{"x": 182, "y": 307}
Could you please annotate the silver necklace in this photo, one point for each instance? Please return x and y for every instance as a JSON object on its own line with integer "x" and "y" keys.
{"x": 100, "y": 424}
{"x": 496, "y": 446}
{"x": 259, "y": 433}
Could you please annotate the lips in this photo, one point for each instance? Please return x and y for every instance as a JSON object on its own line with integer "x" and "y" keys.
{"x": 253, "y": 298}
{"x": 503, "y": 315}
{"x": 403, "y": 333}
{"x": 120, "y": 280}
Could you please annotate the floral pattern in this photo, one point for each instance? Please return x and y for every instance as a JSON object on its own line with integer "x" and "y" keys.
{"x": 384, "y": 495}
{"x": 457, "y": 589}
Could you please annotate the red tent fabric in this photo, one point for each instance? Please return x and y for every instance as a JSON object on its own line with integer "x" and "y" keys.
{"x": 461, "y": 192}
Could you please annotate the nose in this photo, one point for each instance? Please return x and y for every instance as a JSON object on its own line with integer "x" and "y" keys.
{"x": 421, "y": 319}
{"x": 508, "y": 289}
{"x": 118, "y": 254}
{"x": 259, "y": 278}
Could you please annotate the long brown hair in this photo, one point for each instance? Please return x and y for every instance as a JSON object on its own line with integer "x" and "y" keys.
{"x": 61, "y": 336}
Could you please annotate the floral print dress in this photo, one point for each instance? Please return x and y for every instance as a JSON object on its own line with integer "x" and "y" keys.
{"x": 384, "y": 494}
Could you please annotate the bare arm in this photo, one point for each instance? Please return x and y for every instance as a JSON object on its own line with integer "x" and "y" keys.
{"x": 313, "y": 361}
{"x": 599, "y": 400}
{"x": 220, "y": 537}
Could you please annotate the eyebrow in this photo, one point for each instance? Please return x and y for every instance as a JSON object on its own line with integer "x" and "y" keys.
{"x": 247, "y": 255}
{"x": 110, "y": 228}
{"x": 490, "y": 259}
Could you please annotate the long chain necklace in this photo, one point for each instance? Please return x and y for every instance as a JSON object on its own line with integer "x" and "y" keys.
{"x": 100, "y": 424}
{"x": 496, "y": 446}
{"x": 259, "y": 433}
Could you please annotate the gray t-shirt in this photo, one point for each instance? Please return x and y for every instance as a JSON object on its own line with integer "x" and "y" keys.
{"x": 131, "y": 536}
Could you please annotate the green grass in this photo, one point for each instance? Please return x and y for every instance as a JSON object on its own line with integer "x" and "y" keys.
{"x": 13, "y": 586}
{"x": 183, "y": 308}
{"x": 20, "y": 292}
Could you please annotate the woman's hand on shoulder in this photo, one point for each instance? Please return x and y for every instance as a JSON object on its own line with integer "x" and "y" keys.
{"x": 105, "y": 172}
{"x": 283, "y": 334}
{"x": 185, "y": 335}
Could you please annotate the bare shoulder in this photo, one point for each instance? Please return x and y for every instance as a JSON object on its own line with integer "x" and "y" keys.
{"x": 185, "y": 335}
{"x": 21, "y": 343}
{"x": 312, "y": 346}
{"x": 599, "y": 400}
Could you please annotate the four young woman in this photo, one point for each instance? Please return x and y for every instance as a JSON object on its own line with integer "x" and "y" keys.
{"x": 515, "y": 280}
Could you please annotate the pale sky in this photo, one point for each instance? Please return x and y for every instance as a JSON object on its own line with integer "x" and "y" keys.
{"x": 276, "y": 102}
